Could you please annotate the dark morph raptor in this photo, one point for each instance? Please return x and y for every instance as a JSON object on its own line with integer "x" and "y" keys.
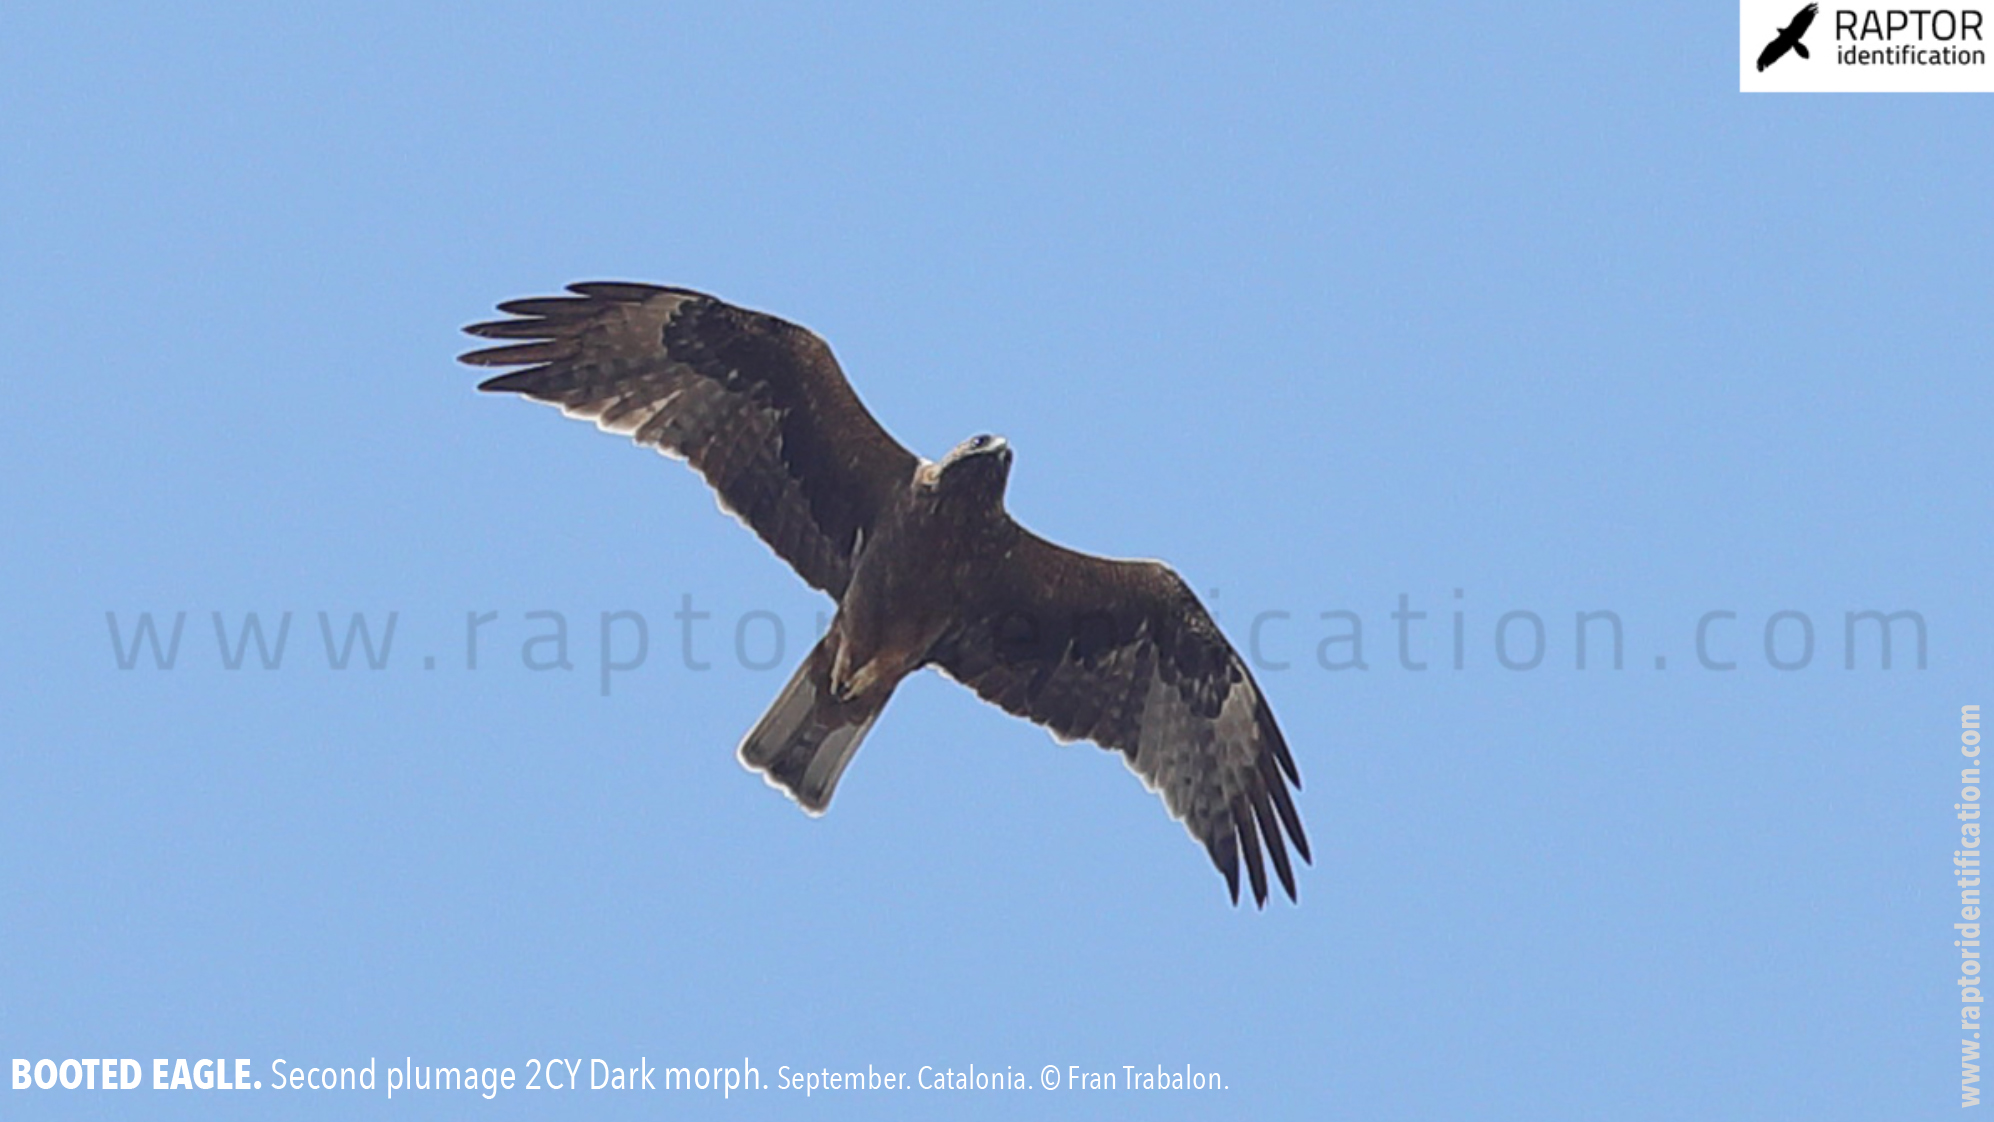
{"x": 925, "y": 565}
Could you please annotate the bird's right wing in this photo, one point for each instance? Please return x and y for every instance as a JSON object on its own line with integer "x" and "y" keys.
{"x": 756, "y": 403}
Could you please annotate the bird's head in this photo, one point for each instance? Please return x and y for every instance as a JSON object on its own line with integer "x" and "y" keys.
{"x": 978, "y": 468}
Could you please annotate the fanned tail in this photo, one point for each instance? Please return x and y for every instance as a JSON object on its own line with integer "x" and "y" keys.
{"x": 808, "y": 736}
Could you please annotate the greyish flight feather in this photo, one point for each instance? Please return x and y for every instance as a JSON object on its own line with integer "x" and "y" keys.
{"x": 926, "y": 566}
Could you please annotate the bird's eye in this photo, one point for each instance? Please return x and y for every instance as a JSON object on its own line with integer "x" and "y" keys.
{"x": 980, "y": 443}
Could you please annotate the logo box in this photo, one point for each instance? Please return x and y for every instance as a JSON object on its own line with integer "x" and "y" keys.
{"x": 1787, "y": 46}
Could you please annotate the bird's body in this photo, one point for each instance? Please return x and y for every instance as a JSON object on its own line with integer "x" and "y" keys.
{"x": 926, "y": 565}
{"x": 909, "y": 576}
{"x": 919, "y": 562}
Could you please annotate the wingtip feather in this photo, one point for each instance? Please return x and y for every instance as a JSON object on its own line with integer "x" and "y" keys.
{"x": 620, "y": 292}
{"x": 518, "y": 381}
{"x": 1249, "y": 844}
{"x": 1284, "y": 805}
{"x": 1271, "y": 830}
{"x": 1225, "y": 856}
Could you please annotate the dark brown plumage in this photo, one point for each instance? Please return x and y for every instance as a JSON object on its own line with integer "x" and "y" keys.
{"x": 926, "y": 566}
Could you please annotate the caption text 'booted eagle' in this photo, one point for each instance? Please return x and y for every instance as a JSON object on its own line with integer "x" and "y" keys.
{"x": 926, "y": 566}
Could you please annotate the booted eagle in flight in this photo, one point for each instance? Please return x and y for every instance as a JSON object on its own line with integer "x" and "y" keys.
{"x": 926, "y": 566}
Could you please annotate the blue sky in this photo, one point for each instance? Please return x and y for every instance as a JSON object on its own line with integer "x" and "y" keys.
{"x": 1325, "y": 308}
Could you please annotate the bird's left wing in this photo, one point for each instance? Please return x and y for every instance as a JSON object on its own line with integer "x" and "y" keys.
{"x": 1123, "y": 654}
{"x": 756, "y": 403}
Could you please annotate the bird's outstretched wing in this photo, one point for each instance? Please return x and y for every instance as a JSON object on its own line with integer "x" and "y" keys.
{"x": 1123, "y": 654}
{"x": 756, "y": 403}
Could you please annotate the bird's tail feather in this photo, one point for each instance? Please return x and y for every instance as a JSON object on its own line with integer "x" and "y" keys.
{"x": 802, "y": 744}
{"x": 1801, "y": 50}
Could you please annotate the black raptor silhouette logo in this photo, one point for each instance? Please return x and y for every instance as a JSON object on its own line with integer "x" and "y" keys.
{"x": 1789, "y": 37}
